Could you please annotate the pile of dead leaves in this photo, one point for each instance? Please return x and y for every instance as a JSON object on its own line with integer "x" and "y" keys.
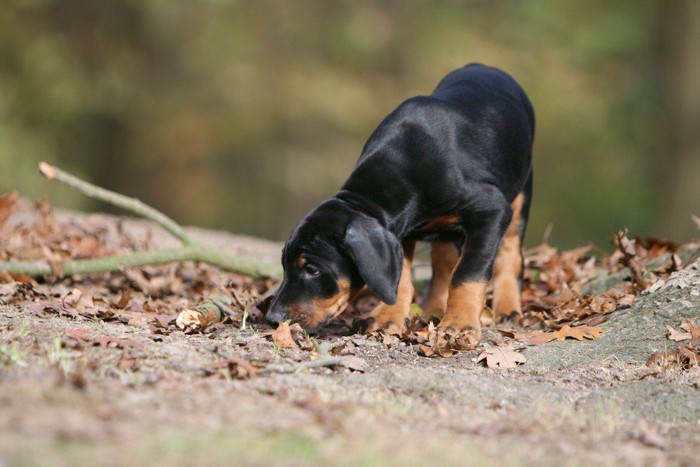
{"x": 149, "y": 296}
{"x": 558, "y": 302}
{"x": 559, "y": 299}
{"x": 34, "y": 233}
{"x": 688, "y": 353}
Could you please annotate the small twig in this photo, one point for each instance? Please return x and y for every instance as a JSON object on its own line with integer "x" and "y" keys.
{"x": 116, "y": 199}
{"x": 293, "y": 368}
{"x": 354, "y": 363}
{"x": 245, "y": 318}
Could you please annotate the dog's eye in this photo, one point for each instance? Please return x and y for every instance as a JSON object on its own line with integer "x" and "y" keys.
{"x": 311, "y": 270}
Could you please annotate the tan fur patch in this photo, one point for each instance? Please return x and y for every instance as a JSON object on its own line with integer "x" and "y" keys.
{"x": 311, "y": 315}
{"x": 442, "y": 221}
{"x": 391, "y": 318}
{"x": 444, "y": 257}
{"x": 464, "y": 305}
{"x": 508, "y": 266}
{"x": 301, "y": 261}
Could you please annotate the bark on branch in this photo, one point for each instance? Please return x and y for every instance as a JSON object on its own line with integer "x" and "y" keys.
{"x": 190, "y": 250}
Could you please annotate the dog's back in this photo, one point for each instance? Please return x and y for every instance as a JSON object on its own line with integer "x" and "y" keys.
{"x": 475, "y": 84}
{"x": 475, "y": 130}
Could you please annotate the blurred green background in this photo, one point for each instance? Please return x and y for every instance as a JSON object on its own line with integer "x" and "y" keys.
{"x": 243, "y": 115}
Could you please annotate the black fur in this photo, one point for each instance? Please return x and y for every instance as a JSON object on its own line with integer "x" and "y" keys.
{"x": 464, "y": 151}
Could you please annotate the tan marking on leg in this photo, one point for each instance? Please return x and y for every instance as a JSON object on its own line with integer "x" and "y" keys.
{"x": 464, "y": 306}
{"x": 392, "y": 318}
{"x": 508, "y": 267}
{"x": 444, "y": 257}
{"x": 442, "y": 221}
{"x": 320, "y": 310}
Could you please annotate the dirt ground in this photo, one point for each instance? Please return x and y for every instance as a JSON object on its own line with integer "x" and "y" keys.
{"x": 92, "y": 391}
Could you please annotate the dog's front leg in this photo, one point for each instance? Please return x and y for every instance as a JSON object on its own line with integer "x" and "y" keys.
{"x": 392, "y": 319}
{"x": 467, "y": 292}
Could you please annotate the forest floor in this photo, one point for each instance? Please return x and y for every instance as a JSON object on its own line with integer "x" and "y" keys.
{"x": 94, "y": 372}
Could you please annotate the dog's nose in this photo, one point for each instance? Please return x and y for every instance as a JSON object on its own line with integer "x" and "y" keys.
{"x": 276, "y": 314}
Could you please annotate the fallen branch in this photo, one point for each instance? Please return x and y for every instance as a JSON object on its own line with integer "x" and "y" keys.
{"x": 190, "y": 250}
{"x": 349, "y": 362}
{"x": 198, "y": 318}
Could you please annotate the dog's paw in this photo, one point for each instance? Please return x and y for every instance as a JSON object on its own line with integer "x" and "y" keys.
{"x": 384, "y": 319}
{"x": 506, "y": 317}
{"x": 444, "y": 342}
{"x": 464, "y": 339}
{"x": 460, "y": 337}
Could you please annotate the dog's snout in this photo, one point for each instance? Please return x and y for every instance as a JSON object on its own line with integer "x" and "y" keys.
{"x": 277, "y": 313}
{"x": 275, "y": 318}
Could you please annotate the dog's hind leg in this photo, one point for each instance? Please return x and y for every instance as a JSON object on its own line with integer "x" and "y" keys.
{"x": 508, "y": 267}
{"x": 444, "y": 257}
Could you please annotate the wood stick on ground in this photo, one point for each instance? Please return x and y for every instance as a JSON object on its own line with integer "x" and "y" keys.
{"x": 132, "y": 205}
{"x": 211, "y": 311}
{"x": 351, "y": 362}
{"x": 354, "y": 363}
{"x": 190, "y": 250}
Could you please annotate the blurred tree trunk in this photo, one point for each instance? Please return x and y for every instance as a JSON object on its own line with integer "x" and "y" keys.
{"x": 680, "y": 27}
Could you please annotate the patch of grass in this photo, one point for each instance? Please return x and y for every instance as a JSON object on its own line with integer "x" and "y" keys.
{"x": 58, "y": 356}
{"x": 220, "y": 448}
{"x": 276, "y": 350}
{"x": 11, "y": 356}
{"x": 298, "y": 448}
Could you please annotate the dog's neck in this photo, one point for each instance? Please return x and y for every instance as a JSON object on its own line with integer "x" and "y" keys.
{"x": 363, "y": 204}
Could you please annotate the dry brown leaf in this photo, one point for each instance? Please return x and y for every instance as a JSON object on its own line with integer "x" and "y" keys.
{"x": 282, "y": 337}
{"x": 688, "y": 356}
{"x": 159, "y": 327}
{"x": 578, "y": 333}
{"x": 234, "y": 366}
{"x": 502, "y": 357}
{"x": 300, "y": 337}
{"x": 344, "y": 348}
{"x": 685, "y": 357}
{"x": 690, "y": 326}
{"x": 631, "y": 260}
{"x": 72, "y": 298}
{"x": 677, "y": 335}
{"x": 524, "y": 336}
{"x": 124, "y": 299}
{"x": 662, "y": 359}
{"x": 625, "y": 301}
{"x": 443, "y": 343}
{"x": 8, "y": 205}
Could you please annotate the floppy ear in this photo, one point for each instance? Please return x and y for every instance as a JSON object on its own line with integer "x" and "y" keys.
{"x": 378, "y": 255}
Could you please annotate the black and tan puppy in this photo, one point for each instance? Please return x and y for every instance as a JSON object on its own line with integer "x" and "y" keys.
{"x": 452, "y": 168}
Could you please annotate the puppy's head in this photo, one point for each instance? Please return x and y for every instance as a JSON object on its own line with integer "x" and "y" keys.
{"x": 332, "y": 254}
